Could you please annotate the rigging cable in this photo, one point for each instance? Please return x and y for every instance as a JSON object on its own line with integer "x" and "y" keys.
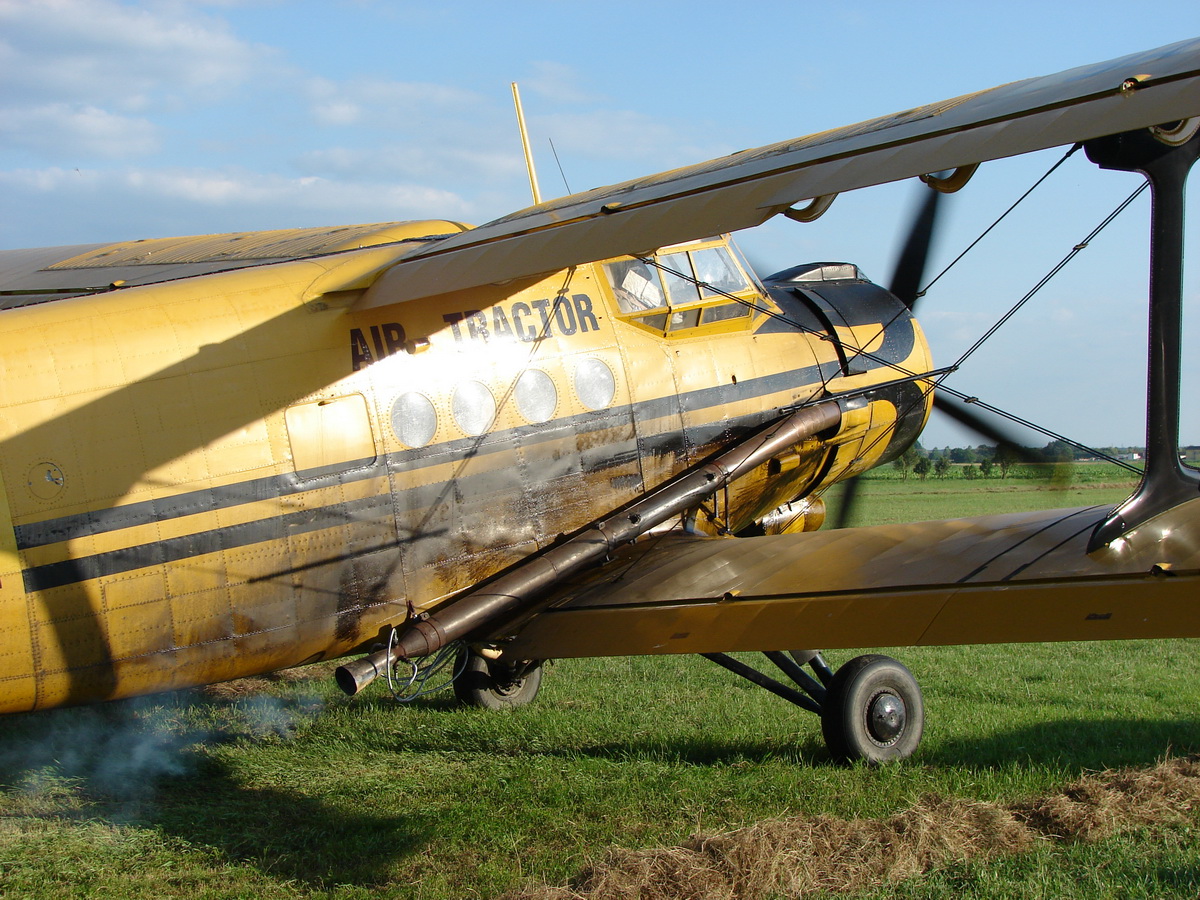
{"x": 1025, "y": 423}
{"x": 938, "y": 383}
{"x": 753, "y": 307}
{"x": 971, "y": 246}
{"x": 1075, "y": 251}
{"x": 986, "y": 231}
{"x": 558, "y": 162}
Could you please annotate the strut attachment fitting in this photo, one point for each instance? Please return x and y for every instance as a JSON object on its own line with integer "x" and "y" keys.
{"x": 813, "y": 210}
{"x": 953, "y": 182}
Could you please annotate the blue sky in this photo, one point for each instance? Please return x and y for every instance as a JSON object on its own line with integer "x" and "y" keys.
{"x": 124, "y": 120}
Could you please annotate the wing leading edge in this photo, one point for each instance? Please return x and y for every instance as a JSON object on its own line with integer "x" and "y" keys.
{"x": 746, "y": 188}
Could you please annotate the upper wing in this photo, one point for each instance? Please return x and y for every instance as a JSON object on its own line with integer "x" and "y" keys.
{"x": 746, "y": 188}
{"x": 54, "y": 273}
{"x": 1021, "y": 577}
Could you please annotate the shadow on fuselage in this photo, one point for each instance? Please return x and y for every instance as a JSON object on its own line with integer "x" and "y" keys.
{"x": 119, "y": 445}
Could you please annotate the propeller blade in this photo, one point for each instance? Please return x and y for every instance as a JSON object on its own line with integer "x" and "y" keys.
{"x": 846, "y": 505}
{"x": 906, "y": 282}
{"x": 961, "y": 413}
{"x": 910, "y": 268}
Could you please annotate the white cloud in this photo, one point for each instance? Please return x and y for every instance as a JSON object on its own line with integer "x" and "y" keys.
{"x": 235, "y": 188}
{"x": 626, "y": 135}
{"x": 390, "y": 105}
{"x": 409, "y": 162}
{"x": 117, "y": 55}
{"x": 337, "y": 113}
{"x": 54, "y": 206}
{"x": 557, "y": 82}
{"x": 61, "y": 131}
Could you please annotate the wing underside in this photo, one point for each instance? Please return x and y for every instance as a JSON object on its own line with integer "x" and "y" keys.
{"x": 984, "y": 580}
{"x": 746, "y": 188}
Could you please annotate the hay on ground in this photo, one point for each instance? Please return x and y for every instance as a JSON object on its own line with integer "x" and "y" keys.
{"x": 800, "y": 854}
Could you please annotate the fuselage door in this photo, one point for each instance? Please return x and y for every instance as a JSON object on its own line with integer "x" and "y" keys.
{"x": 687, "y": 314}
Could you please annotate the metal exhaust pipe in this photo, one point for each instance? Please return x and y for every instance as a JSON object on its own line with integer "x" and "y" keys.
{"x": 520, "y": 590}
{"x": 354, "y": 676}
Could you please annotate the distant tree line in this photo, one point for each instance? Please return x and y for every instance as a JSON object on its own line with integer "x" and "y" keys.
{"x": 989, "y": 461}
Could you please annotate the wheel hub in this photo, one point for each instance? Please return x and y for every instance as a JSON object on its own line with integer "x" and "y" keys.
{"x": 886, "y": 717}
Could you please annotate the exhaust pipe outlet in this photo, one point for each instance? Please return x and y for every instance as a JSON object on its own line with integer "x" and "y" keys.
{"x": 354, "y": 676}
{"x": 422, "y": 638}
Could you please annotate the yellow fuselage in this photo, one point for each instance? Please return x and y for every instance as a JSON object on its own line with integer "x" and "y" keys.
{"x": 233, "y": 473}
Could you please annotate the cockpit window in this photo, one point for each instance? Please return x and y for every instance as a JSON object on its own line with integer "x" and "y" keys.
{"x": 696, "y": 284}
{"x": 717, "y": 272}
{"x": 681, "y": 280}
{"x": 636, "y": 285}
{"x": 723, "y": 311}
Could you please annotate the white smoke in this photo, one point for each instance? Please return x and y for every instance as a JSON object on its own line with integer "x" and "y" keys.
{"x": 119, "y": 755}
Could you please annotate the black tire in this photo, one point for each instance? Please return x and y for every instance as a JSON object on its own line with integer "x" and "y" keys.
{"x": 495, "y": 685}
{"x": 873, "y": 711}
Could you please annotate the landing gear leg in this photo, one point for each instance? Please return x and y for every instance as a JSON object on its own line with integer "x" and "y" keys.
{"x": 871, "y": 708}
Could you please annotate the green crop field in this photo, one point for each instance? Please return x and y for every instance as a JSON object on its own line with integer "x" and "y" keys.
{"x": 273, "y": 788}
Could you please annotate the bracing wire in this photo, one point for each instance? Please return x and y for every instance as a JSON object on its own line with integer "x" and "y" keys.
{"x": 971, "y": 246}
{"x": 1001, "y": 218}
{"x": 558, "y": 162}
{"x": 1025, "y": 423}
{"x": 939, "y": 377}
{"x": 751, "y": 305}
{"x": 1075, "y": 251}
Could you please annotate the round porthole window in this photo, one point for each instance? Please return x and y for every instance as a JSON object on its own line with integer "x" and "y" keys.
{"x": 414, "y": 420}
{"x": 536, "y": 396}
{"x": 474, "y": 407}
{"x": 594, "y": 384}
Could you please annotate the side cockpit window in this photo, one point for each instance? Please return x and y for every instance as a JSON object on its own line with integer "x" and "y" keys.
{"x": 636, "y": 285}
{"x": 717, "y": 272}
{"x": 681, "y": 278}
{"x": 682, "y": 288}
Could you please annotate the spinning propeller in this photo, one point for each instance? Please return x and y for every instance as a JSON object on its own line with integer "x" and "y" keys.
{"x": 906, "y": 285}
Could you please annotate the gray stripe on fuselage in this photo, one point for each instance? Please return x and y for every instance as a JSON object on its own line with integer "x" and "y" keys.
{"x": 52, "y": 531}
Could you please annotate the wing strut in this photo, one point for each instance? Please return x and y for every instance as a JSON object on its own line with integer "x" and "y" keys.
{"x": 1164, "y": 154}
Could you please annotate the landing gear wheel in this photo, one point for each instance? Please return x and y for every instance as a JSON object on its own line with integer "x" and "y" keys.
{"x": 873, "y": 711}
{"x": 495, "y": 684}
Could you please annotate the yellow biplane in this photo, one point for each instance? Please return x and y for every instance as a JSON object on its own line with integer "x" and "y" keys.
{"x": 584, "y": 429}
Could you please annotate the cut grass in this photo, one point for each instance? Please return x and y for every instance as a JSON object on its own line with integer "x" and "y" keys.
{"x": 887, "y": 498}
{"x": 805, "y": 854}
{"x": 282, "y": 788}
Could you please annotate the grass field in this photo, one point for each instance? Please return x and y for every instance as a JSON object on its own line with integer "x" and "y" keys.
{"x": 282, "y": 788}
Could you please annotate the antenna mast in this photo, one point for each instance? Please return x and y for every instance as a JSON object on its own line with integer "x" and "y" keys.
{"x": 533, "y": 183}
